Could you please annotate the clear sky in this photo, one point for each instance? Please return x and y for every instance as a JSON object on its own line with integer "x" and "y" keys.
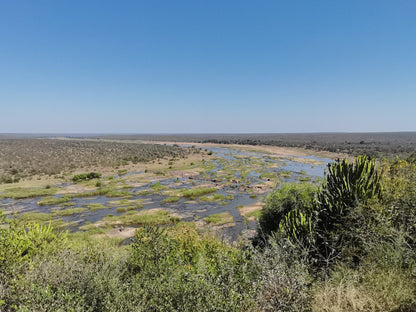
{"x": 207, "y": 66}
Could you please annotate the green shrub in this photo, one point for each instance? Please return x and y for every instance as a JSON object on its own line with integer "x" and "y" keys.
{"x": 177, "y": 270}
{"x": 20, "y": 243}
{"x": 399, "y": 196}
{"x": 71, "y": 280}
{"x": 290, "y": 197}
{"x": 86, "y": 176}
{"x": 283, "y": 278}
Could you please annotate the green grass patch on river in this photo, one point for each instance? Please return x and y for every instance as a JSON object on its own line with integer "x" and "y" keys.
{"x": 106, "y": 191}
{"x": 171, "y": 199}
{"x": 67, "y": 204}
{"x": 126, "y": 208}
{"x": 51, "y": 200}
{"x": 148, "y": 217}
{"x": 96, "y": 206}
{"x": 69, "y": 211}
{"x": 219, "y": 218}
{"x": 127, "y": 202}
{"x": 157, "y": 187}
{"x": 198, "y": 192}
{"x": 20, "y": 192}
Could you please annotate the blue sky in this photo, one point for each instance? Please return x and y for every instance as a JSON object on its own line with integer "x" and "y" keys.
{"x": 207, "y": 66}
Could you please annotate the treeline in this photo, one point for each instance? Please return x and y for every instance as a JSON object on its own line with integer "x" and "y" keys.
{"x": 380, "y": 145}
{"x": 347, "y": 245}
{"x": 20, "y": 158}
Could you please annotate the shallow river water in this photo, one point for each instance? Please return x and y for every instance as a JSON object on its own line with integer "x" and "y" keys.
{"x": 245, "y": 179}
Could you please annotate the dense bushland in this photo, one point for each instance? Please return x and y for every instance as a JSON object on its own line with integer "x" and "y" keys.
{"x": 347, "y": 245}
{"x": 373, "y": 144}
{"x": 20, "y": 158}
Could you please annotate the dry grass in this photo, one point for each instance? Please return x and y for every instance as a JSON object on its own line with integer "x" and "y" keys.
{"x": 369, "y": 289}
{"x": 345, "y": 298}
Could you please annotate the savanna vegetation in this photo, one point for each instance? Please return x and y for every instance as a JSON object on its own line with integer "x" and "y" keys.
{"x": 25, "y": 158}
{"x": 348, "y": 244}
{"x": 379, "y": 145}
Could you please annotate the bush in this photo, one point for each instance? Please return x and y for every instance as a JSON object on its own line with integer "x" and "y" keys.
{"x": 283, "y": 280}
{"x": 284, "y": 201}
{"x": 20, "y": 243}
{"x": 72, "y": 280}
{"x": 86, "y": 176}
{"x": 399, "y": 183}
{"x": 180, "y": 271}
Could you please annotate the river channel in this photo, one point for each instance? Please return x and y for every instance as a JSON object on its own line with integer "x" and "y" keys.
{"x": 242, "y": 178}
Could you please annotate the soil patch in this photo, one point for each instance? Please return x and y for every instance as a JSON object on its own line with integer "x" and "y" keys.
{"x": 121, "y": 232}
{"x": 250, "y": 209}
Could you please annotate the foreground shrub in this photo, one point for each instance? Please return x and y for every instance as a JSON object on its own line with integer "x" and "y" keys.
{"x": 72, "y": 280}
{"x": 19, "y": 244}
{"x": 180, "y": 271}
{"x": 399, "y": 182}
{"x": 283, "y": 279}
